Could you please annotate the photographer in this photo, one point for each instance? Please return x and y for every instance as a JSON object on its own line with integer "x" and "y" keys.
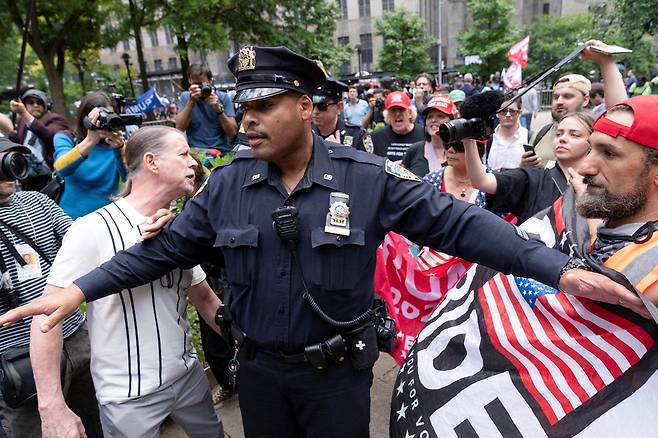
{"x": 375, "y": 115}
{"x": 31, "y": 230}
{"x": 36, "y": 126}
{"x": 89, "y": 160}
{"x": 208, "y": 116}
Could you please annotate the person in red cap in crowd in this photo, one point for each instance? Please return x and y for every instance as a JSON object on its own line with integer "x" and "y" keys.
{"x": 621, "y": 187}
{"x": 401, "y": 130}
{"x": 507, "y": 142}
{"x": 429, "y": 155}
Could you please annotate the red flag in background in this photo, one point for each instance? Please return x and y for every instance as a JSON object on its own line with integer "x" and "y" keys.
{"x": 519, "y": 52}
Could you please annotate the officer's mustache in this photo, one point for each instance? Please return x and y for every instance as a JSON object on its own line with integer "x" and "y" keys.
{"x": 251, "y": 133}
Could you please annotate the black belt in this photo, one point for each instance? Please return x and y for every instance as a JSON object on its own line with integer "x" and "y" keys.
{"x": 287, "y": 358}
{"x": 320, "y": 355}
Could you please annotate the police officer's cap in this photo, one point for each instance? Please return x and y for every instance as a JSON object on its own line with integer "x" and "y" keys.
{"x": 267, "y": 71}
{"x": 331, "y": 91}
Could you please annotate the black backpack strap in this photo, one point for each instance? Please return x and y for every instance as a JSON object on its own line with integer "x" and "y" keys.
{"x": 542, "y": 132}
{"x": 25, "y": 239}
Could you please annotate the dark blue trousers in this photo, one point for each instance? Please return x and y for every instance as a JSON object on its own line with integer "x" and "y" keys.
{"x": 278, "y": 400}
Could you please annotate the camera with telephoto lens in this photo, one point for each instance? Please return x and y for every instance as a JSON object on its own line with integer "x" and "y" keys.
{"x": 478, "y": 118}
{"x": 13, "y": 166}
{"x": 111, "y": 121}
{"x": 476, "y": 128}
{"x": 206, "y": 89}
{"x": 379, "y": 103}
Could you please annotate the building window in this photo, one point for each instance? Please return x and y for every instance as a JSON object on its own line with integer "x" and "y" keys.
{"x": 366, "y": 51}
{"x": 173, "y": 63}
{"x": 126, "y": 45}
{"x": 169, "y": 35}
{"x": 364, "y": 8}
{"x": 154, "y": 39}
{"x": 157, "y": 64}
{"x": 344, "y": 68}
{"x": 546, "y": 8}
{"x": 388, "y": 5}
{"x": 343, "y": 8}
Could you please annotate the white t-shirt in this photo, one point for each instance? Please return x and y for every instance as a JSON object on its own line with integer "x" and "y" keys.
{"x": 140, "y": 339}
{"x": 506, "y": 153}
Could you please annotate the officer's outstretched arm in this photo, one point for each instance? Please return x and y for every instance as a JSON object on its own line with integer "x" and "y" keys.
{"x": 183, "y": 243}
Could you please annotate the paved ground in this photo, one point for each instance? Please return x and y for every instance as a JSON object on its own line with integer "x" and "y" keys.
{"x": 385, "y": 372}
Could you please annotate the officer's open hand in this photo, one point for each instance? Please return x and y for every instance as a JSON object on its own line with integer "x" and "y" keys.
{"x": 55, "y": 306}
{"x": 154, "y": 224}
{"x": 598, "y": 287}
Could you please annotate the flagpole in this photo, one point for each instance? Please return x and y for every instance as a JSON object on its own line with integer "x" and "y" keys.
{"x": 439, "y": 69}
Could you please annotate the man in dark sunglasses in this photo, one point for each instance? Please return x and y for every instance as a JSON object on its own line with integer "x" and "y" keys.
{"x": 508, "y": 139}
{"x": 327, "y": 120}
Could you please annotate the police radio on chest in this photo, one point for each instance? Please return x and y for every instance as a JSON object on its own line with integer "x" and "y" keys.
{"x": 285, "y": 223}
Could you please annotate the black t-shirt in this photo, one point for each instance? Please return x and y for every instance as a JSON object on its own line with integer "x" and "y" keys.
{"x": 393, "y": 146}
{"x": 526, "y": 192}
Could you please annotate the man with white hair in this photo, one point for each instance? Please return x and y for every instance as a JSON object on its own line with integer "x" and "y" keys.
{"x": 401, "y": 130}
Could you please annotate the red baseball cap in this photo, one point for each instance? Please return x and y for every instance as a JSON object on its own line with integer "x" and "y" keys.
{"x": 441, "y": 103}
{"x": 643, "y": 131}
{"x": 397, "y": 98}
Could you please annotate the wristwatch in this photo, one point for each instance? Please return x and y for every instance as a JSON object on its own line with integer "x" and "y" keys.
{"x": 573, "y": 263}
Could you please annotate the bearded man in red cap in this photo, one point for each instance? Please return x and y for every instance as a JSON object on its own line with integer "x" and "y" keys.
{"x": 621, "y": 173}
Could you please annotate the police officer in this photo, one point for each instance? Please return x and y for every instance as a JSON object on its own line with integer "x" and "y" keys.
{"x": 298, "y": 221}
{"x": 327, "y": 123}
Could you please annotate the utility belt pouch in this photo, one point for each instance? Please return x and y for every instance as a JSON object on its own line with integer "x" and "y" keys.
{"x": 315, "y": 356}
{"x": 17, "y": 383}
{"x": 362, "y": 347}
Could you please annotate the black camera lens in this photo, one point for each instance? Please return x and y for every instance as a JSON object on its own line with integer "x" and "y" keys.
{"x": 459, "y": 129}
{"x": 13, "y": 166}
{"x": 206, "y": 90}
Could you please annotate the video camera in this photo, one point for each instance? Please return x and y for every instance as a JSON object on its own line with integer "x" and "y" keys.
{"x": 478, "y": 123}
{"x": 111, "y": 121}
{"x": 379, "y": 103}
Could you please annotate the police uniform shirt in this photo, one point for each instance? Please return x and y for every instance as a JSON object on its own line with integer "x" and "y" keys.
{"x": 350, "y": 135}
{"x": 232, "y": 215}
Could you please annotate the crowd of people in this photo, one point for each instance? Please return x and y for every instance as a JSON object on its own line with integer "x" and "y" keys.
{"x": 286, "y": 234}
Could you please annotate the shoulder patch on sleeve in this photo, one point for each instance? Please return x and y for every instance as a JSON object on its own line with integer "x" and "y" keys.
{"x": 397, "y": 170}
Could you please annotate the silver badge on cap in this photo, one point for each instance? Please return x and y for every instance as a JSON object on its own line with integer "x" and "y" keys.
{"x": 247, "y": 58}
{"x": 338, "y": 218}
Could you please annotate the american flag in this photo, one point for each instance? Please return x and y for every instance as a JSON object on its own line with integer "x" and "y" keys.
{"x": 566, "y": 349}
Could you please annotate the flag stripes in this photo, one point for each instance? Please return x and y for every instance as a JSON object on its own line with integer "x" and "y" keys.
{"x": 565, "y": 349}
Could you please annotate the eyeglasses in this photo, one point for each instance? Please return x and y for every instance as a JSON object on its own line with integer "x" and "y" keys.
{"x": 322, "y": 107}
{"x": 457, "y": 146}
{"x": 511, "y": 112}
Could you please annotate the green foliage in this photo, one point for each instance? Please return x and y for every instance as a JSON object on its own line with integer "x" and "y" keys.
{"x": 490, "y": 35}
{"x": 406, "y": 45}
{"x": 193, "y": 319}
{"x": 635, "y": 18}
{"x": 552, "y": 38}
